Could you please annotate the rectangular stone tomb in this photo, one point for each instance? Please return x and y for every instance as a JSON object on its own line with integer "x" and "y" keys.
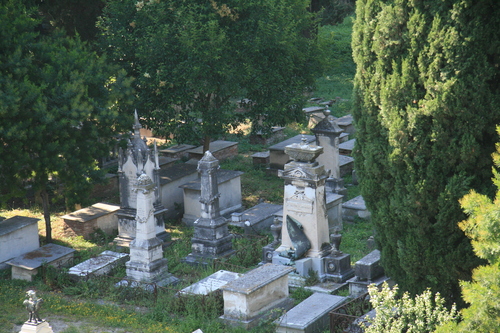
{"x": 261, "y": 158}
{"x": 346, "y": 165}
{"x": 26, "y": 266}
{"x": 310, "y": 316}
{"x": 220, "y": 149}
{"x": 257, "y": 218}
{"x": 229, "y": 184}
{"x": 18, "y": 235}
{"x": 252, "y": 296}
{"x": 210, "y": 283}
{"x": 355, "y": 208}
{"x": 346, "y": 148}
{"x": 172, "y": 195}
{"x": 368, "y": 268}
{"x": 87, "y": 220}
{"x": 346, "y": 123}
{"x": 275, "y": 135}
{"x": 177, "y": 151}
{"x": 100, "y": 265}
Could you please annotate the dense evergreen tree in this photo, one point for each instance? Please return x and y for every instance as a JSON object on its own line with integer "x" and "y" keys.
{"x": 192, "y": 60}
{"x": 482, "y": 227}
{"x": 58, "y": 109}
{"x": 427, "y": 98}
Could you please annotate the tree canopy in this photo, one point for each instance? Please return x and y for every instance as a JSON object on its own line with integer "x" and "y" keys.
{"x": 58, "y": 109}
{"x": 193, "y": 60}
{"x": 427, "y": 98}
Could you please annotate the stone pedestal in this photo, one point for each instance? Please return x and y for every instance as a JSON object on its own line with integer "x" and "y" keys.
{"x": 42, "y": 327}
{"x": 255, "y": 294}
{"x": 338, "y": 267}
{"x": 211, "y": 237}
{"x": 305, "y": 198}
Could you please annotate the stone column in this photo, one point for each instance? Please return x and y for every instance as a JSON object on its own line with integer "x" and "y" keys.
{"x": 211, "y": 237}
{"x": 146, "y": 254}
{"x": 304, "y": 197}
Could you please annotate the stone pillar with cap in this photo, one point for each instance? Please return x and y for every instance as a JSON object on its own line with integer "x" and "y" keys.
{"x": 327, "y": 134}
{"x": 211, "y": 237}
{"x": 146, "y": 263}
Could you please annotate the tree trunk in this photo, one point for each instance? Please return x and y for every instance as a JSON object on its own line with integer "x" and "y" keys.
{"x": 46, "y": 214}
{"x": 206, "y": 143}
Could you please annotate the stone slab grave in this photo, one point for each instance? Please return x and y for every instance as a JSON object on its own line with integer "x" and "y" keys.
{"x": 211, "y": 283}
{"x": 261, "y": 158}
{"x": 100, "y": 265}
{"x": 346, "y": 148}
{"x": 172, "y": 195}
{"x": 277, "y": 156}
{"x": 220, "y": 149}
{"x": 315, "y": 115}
{"x": 87, "y": 220}
{"x": 253, "y": 296}
{"x": 355, "y": 208}
{"x": 310, "y": 315}
{"x": 18, "y": 235}
{"x": 178, "y": 151}
{"x": 229, "y": 185}
{"x": 257, "y": 218}
{"x": 347, "y": 124}
{"x": 166, "y": 162}
{"x": 275, "y": 135}
{"x": 367, "y": 271}
{"x": 26, "y": 266}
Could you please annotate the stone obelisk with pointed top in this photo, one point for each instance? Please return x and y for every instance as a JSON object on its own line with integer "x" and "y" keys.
{"x": 211, "y": 237}
{"x": 146, "y": 254}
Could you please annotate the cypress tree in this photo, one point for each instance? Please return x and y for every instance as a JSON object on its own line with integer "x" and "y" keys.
{"x": 426, "y": 104}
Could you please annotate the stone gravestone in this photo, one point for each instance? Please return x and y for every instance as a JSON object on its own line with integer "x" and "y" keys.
{"x": 146, "y": 264}
{"x": 211, "y": 283}
{"x": 138, "y": 158}
{"x": 211, "y": 237}
{"x": 15, "y": 231}
{"x": 367, "y": 271}
{"x": 100, "y": 265}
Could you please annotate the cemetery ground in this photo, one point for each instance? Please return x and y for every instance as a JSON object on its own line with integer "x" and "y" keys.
{"x": 96, "y": 305}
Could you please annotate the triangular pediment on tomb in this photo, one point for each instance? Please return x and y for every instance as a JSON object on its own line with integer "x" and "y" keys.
{"x": 299, "y": 173}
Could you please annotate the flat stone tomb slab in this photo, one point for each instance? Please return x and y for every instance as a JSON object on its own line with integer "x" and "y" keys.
{"x": 26, "y": 266}
{"x": 18, "y": 235}
{"x": 220, "y": 149}
{"x": 258, "y": 291}
{"x": 256, "y": 218}
{"x": 311, "y": 315}
{"x": 99, "y": 265}
{"x": 177, "y": 151}
{"x": 211, "y": 283}
{"x": 346, "y": 148}
{"x": 355, "y": 207}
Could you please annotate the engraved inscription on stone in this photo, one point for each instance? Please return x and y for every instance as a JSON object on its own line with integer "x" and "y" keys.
{"x": 213, "y": 284}
{"x": 305, "y": 207}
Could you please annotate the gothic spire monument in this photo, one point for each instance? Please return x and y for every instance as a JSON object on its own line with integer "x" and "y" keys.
{"x": 135, "y": 160}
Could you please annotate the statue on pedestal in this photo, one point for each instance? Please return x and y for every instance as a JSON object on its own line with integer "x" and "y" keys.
{"x": 32, "y": 304}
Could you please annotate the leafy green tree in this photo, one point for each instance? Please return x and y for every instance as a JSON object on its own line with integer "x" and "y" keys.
{"x": 427, "y": 96}
{"x": 483, "y": 292}
{"x": 58, "y": 109}
{"x": 192, "y": 60}
{"x": 405, "y": 314}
